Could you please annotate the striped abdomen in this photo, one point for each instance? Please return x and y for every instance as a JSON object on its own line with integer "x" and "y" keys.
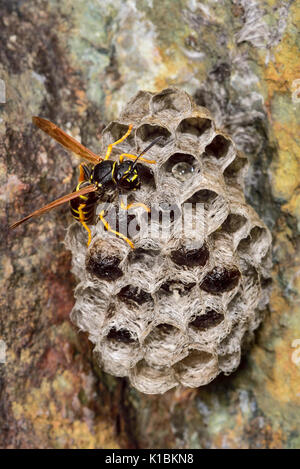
{"x": 86, "y": 202}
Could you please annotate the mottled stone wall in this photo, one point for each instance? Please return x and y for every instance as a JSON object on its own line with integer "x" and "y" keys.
{"x": 77, "y": 62}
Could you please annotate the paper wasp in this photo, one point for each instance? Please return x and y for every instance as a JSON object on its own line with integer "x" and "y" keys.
{"x": 94, "y": 181}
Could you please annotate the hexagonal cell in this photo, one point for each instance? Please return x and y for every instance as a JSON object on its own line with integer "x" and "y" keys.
{"x": 229, "y": 362}
{"x": 118, "y": 356}
{"x": 146, "y": 175}
{"x": 181, "y": 167}
{"x": 215, "y": 209}
{"x": 220, "y": 280}
{"x": 90, "y": 315}
{"x": 147, "y": 267}
{"x": 208, "y": 325}
{"x": 119, "y": 219}
{"x": 194, "y": 127}
{"x": 164, "y": 345}
{"x": 113, "y": 132}
{"x": 232, "y": 343}
{"x": 203, "y": 196}
{"x": 168, "y": 288}
{"x": 218, "y": 147}
{"x": 235, "y": 171}
{"x": 170, "y": 100}
{"x": 103, "y": 266}
{"x": 120, "y": 335}
{"x": 162, "y": 218}
{"x": 251, "y": 284}
{"x": 197, "y": 369}
{"x": 146, "y": 257}
{"x": 137, "y": 107}
{"x": 190, "y": 257}
{"x": 256, "y": 244}
{"x": 131, "y": 294}
{"x": 151, "y": 380}
{"x": 210, "y": 318}
{"x": 147, "y": 133}
{"x": 233, "y": 223}
{"x": 237, "y": 309}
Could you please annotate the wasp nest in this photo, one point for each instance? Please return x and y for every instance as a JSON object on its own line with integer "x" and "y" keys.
{"x": 178, "y": 308}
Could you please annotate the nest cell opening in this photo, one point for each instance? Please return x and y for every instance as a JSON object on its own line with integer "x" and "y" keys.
{"x": 147, "y": 257}
{"x": 252, "y": 244}
{"x": 130, "y": 294}
{"x": 220, "y": 280}
{"x": 237, "y": 309}
{"x": 119, "y": 351}
{"x": 146, "y": 175}
{"x": 233, "y": 174}
{"x": 181, "y": 165}
{"x": 162, "y": 334}
{"x": 138, "y": 106}
{"x": 229, "y": 362}
{"x": 120, "y": 335}
{"x": 218, "y": 148}
{"x": 167, "y": 288}
{"x": 197, "y": 369}
{"x": 121, "y": 220}
{"x": 115, "y": 131}
{"x": 163, "y": 344}
{"x": 170, "y": 100}
{"x": 233, "y": 223}
{"x": 146, "y": 133}
{"x": 251, "y": 283}
{"x": 195, "y": 359}
{"x": 163, "y": 218}
{"x": 152, "y": 380}
{"x": 207, "y": 320}
{"x": 204, "y": 196}
{"x": 103, "y": 266}
{"x": 194, "y": 126}
{"x": 190, "y": 257}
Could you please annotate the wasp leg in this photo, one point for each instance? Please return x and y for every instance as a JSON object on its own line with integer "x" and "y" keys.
{"x": 110, "y": 147}
{"x": 81, "y": 220}
{"x": 109, "y": 228}
{"x": 135, "y": 204}
{"x": 133, "y": 157}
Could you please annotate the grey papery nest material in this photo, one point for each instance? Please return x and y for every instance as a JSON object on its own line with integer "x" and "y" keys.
{"x": 175, "y": 310}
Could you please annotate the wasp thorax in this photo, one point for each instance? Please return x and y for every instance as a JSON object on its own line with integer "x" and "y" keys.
{"x": 102, "y": 174}
{"x": 180, "y": 307}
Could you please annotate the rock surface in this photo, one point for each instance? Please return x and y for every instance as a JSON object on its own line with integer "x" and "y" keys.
{"x": 77, "y": 63}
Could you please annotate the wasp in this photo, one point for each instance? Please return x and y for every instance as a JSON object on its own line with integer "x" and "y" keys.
{"x": 95, "y": 180}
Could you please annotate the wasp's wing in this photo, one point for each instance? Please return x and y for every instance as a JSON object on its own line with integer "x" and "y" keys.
{"x": 66, "y": 140}
{"x": 55, "y": 203}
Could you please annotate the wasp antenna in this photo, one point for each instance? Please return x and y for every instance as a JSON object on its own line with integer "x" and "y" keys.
{"x": 146, "y": 149}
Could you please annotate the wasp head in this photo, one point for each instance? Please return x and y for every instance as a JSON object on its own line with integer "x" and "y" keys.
{"x": 127, "y": 176}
